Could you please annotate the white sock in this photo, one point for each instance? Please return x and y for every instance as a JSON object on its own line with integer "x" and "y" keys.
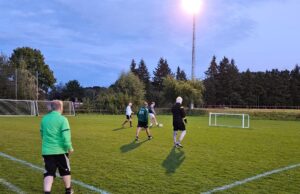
{"x": 182, "y": 136}
{"x": 175, "y": 137}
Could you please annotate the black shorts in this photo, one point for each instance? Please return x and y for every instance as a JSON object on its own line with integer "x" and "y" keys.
{"x": 54, "y": 162}
{"x": 179, "y": 126}
{"x": 142, "y": 124}
{"x": 128, "y": 117}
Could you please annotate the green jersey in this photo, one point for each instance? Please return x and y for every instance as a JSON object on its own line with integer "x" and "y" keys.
{"x": 143, "y": 114}
{"x": 56, "y": 134}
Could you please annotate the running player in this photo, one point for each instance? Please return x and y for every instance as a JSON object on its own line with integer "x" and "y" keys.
{"x": 179, "y": 122}
{"x": 128, "y": 115}
{"x": 143, "y": 121}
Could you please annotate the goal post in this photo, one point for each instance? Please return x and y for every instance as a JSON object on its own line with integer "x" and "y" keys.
{"x": 9, "y": 107}
{"x": 229, "y": 120}
{"x": 44, "y": 106}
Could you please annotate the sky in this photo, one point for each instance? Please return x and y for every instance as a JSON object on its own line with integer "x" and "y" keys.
{"x": 94, "y": 41}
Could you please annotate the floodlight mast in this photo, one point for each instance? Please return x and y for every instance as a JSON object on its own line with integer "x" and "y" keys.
{"x": 193, "y": 55}
{"x": 193, "y": 47}
{"x": 193, "y": 6}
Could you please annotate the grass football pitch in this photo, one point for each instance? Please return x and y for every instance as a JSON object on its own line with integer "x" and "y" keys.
{"x": 107, "y": 158}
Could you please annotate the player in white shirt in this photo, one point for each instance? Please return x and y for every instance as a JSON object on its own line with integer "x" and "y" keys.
{"x": 152, "y": 115}
{"x": 128, "y": 115}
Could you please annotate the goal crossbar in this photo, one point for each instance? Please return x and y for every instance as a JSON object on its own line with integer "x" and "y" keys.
{"x": 19, "y": 108}
{"x": 238, "y": 120}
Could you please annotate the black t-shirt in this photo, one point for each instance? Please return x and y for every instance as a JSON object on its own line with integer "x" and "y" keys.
{"x": 150, "y": 109}
{"x": 178, "y": 113}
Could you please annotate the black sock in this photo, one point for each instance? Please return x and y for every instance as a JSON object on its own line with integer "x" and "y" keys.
{"x": 47, "y": 192}
{"x": 68, "y": 190}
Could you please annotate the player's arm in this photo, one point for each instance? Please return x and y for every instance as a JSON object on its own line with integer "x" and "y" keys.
{"x": 66, "y": 133}
{"x": 183, "y": 114}
{"x": 41, "y": 131}
{"x": 146, "y": 113}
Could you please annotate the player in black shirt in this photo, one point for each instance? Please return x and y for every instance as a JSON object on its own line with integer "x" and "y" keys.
{"x": 179, "y": 121}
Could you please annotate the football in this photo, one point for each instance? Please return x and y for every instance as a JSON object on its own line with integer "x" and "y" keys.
{"x": 160, "y": 125}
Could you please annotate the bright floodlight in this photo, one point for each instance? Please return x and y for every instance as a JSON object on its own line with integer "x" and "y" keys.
{"x": 192, "y": 6}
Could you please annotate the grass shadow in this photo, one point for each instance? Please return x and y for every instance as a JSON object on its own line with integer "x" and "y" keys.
{"x": 131, "y": 146}
{"x": 173, "y": 160}
{"x": 119, "y": 128}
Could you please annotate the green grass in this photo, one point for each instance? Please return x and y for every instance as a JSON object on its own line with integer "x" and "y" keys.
{"x": 106, "y": 157}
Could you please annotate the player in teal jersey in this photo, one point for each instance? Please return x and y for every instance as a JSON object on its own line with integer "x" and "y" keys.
{"x": 142, "y": 115}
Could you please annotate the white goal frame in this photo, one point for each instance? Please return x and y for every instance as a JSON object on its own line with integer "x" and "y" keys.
{"x": 30, "y": 104}
{"x": 68, "y": 107}
{"x": 213, "y": 120}
{"x": 28, "y": 108}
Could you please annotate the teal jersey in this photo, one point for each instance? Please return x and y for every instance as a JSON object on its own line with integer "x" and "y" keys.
{"x": 143, "y": 114}
{"x": 56, "y": 134}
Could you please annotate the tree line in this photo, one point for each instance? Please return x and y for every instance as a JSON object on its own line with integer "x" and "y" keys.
{"x": 136, "y": 86}
{"x": 223, "y": 84}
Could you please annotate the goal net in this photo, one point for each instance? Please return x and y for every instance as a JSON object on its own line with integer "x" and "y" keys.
{"x": 17, "y": 107}
{"x": 9, "y": 107}
{"x": 44, "y": 106}
{"x": 229, "y": 120}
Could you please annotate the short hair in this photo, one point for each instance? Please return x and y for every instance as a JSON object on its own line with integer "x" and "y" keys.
{"x": 56, "y": 105}
{"x": 179, "y": 100}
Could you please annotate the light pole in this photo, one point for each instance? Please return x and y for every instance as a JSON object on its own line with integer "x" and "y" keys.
{"x": 193, "y": 7}
{"x": 193, "y": 48}
{"x": 193, "y": 55}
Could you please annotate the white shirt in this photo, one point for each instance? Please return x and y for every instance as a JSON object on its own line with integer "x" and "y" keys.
{"x": 128, "y": 110}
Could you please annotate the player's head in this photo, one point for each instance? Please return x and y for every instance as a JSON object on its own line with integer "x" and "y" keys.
{"x": 153, "y": 103}
{"x": 145, "y": 104}
{"x": 129, "y": 104}
{"x": 57, "y": 105}
{"x": 179, "y": 100}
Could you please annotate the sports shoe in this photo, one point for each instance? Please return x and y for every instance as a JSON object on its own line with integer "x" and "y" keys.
{"x": 150, "y": 137}
{"x": 69, "y": 191}
{"x": 179, "y": 145}
{"x": 137, "y": 139}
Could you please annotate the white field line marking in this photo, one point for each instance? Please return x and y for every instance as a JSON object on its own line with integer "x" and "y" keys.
{"x": 11, "y": 186}
{"x": 82, "y": 184}
{"x": 237, "y": 183}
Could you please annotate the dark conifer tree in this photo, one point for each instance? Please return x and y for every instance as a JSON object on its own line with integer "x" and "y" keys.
{"x": 144, "y": 76}
{"x": 228, "y": 85}
{"x": 133, "y": 67}
{"x": 295, "y": 86}
{"x": 248, "y": 88}
{"x": 143, "y": 73}
{"x": 161, "y": 71}
{"x": 180, "y": 74}
{"x": 210, "y": 83}
{"x": 260, "y": 90}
